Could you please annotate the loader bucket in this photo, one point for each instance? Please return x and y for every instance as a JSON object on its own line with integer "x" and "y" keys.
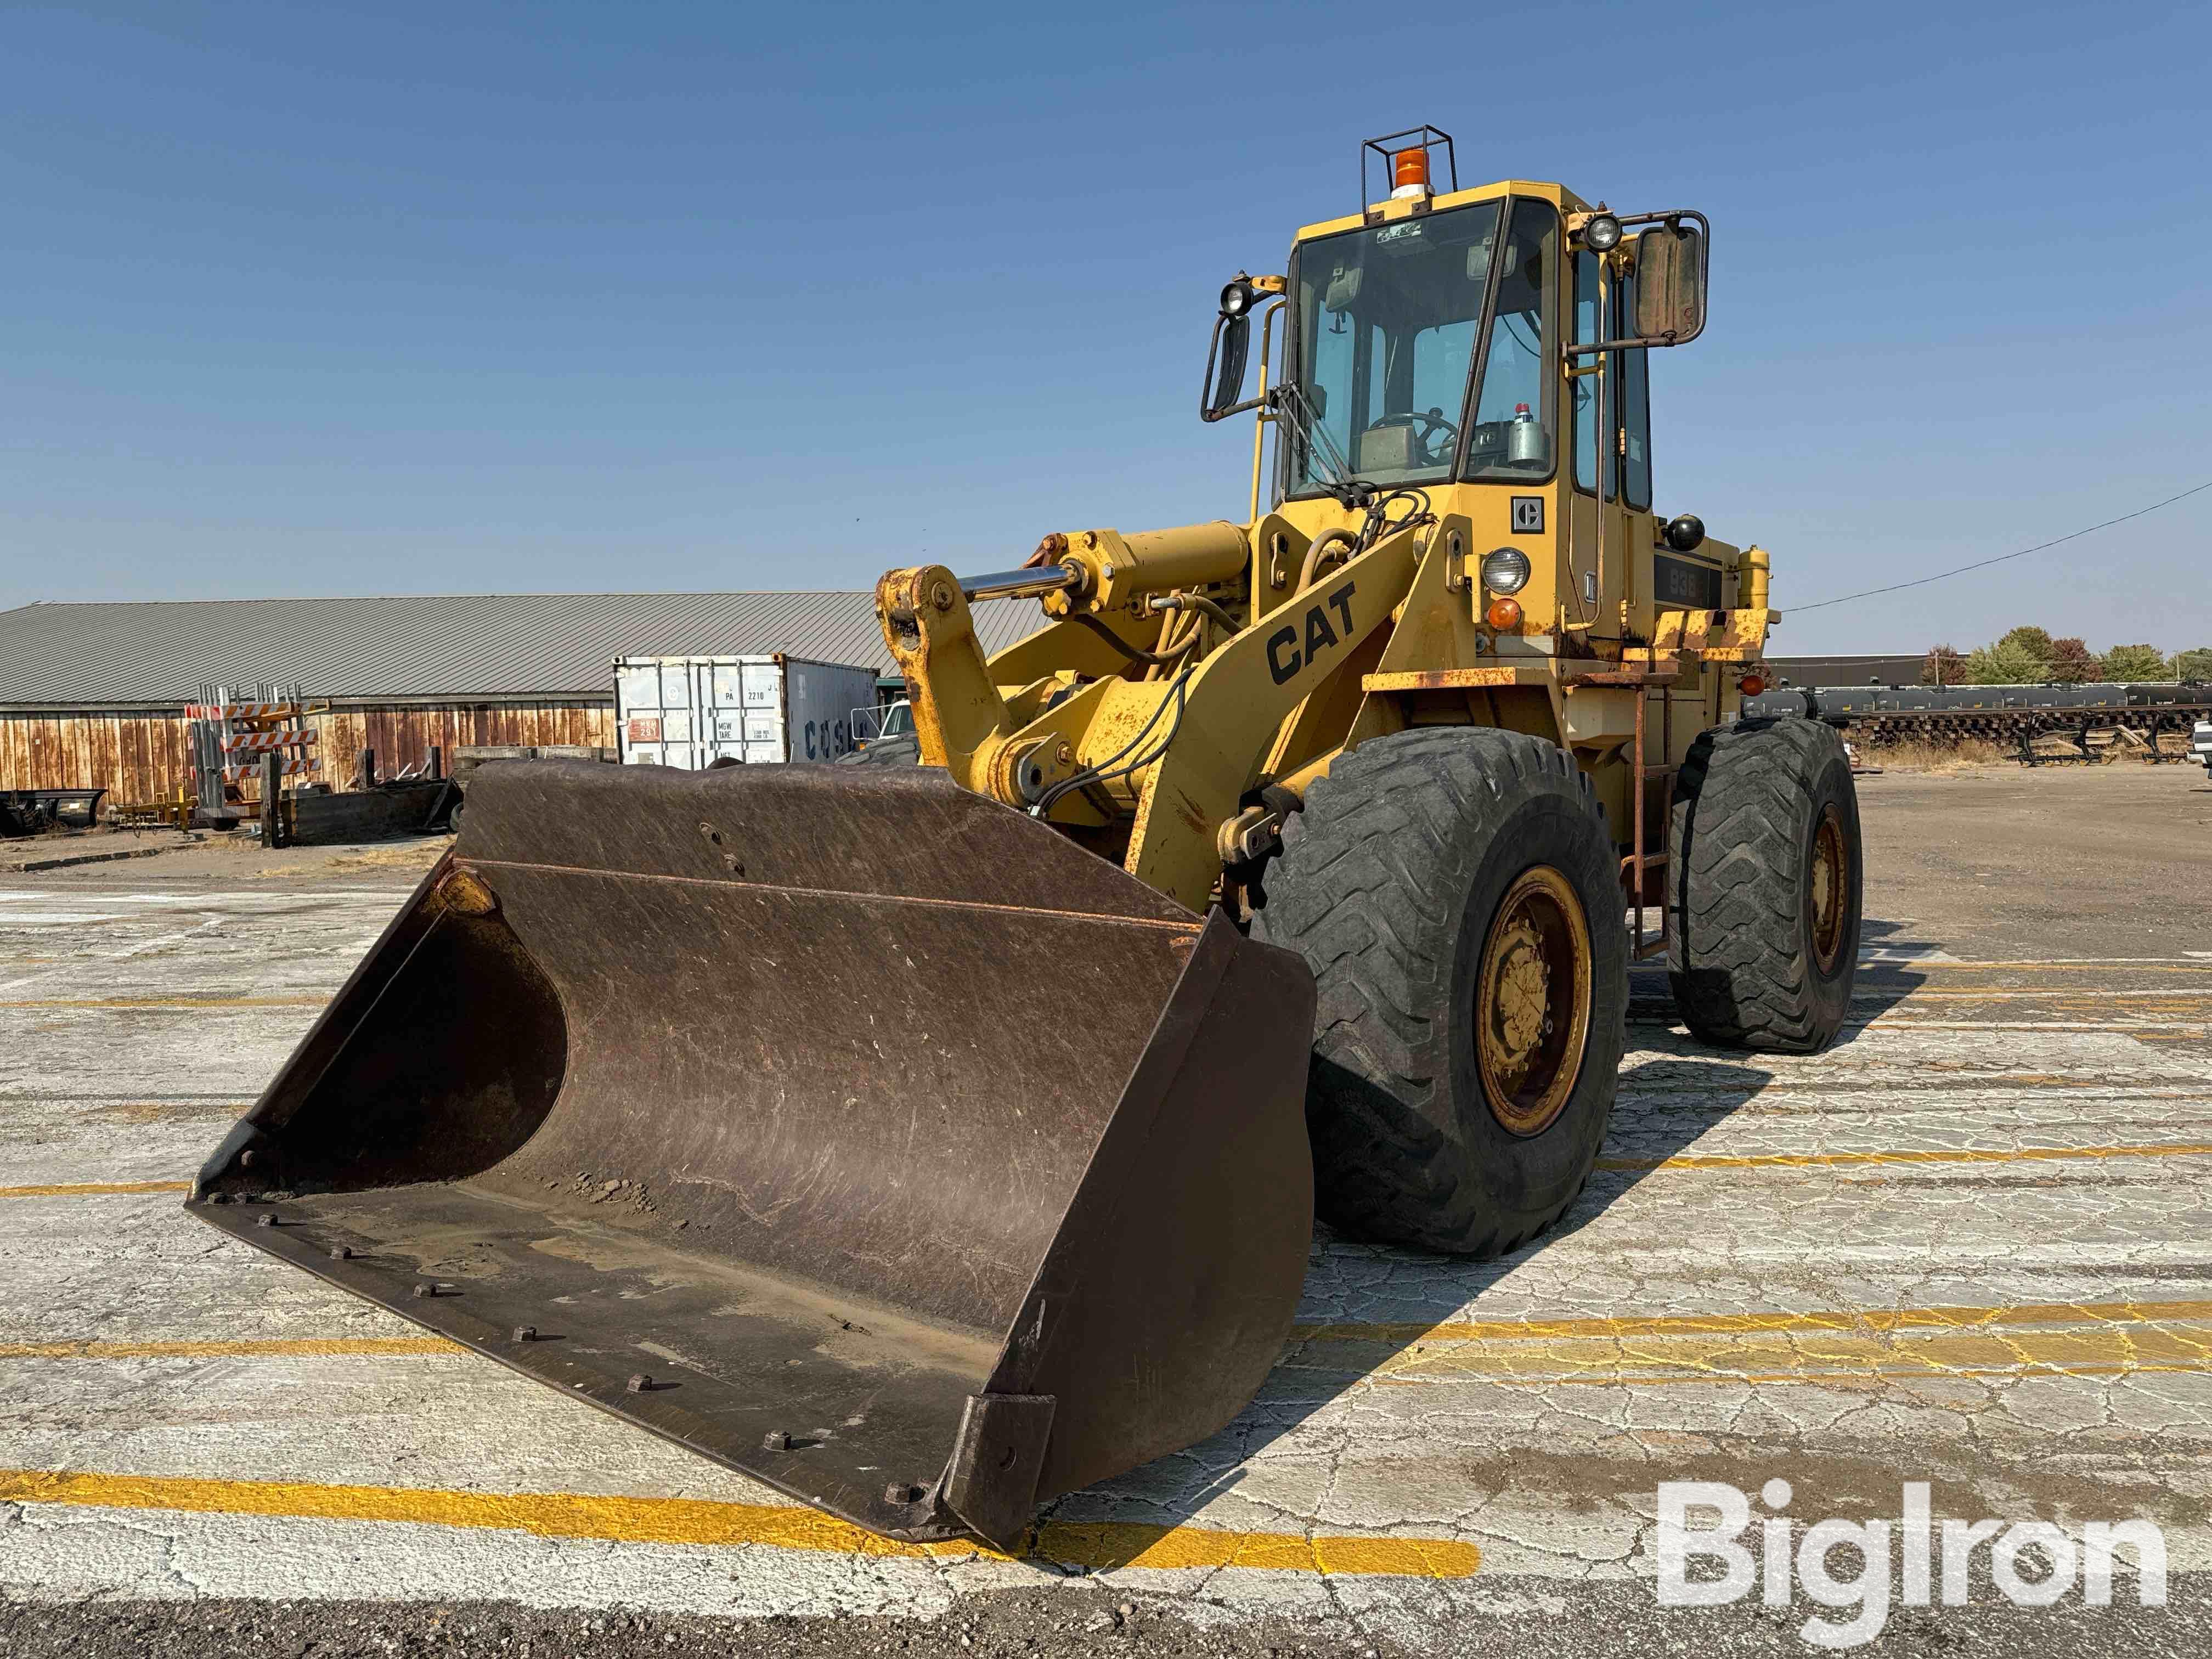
{"x": 842, "y": 1126}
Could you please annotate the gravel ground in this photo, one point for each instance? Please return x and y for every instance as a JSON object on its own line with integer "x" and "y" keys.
{"x": 1584, "y": 1623}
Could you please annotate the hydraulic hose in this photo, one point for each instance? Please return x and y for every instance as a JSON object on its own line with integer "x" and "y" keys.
{"x": 1315, "y": 554}
{"x": 1199, "y": 603}
{"x": 1150, "y": 659}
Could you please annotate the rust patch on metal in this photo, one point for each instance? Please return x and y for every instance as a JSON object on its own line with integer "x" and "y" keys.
{"x": 1459, "y": 679}
{"x": 463, "y": 892}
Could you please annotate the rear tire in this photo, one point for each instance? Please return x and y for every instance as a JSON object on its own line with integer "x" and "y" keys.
{"x": 1453, "y": 891}
{"x": 1765, "y": 881}
{"x": 884, "y": 752}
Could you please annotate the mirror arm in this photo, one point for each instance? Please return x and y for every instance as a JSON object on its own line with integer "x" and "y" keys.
{"x": 1637, "y": 344}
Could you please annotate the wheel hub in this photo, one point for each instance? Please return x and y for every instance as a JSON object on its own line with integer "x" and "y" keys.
{"x": 1532, "y": 1001}
{"x": 1825, "y": 882}
{"x": 1523, "y": 995}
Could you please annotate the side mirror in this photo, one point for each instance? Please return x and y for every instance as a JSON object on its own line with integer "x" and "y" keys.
{"x": 1670, "y": 283}
{"x": 1223, "y": 389}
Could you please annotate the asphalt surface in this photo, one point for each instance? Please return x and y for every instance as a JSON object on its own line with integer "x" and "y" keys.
{"x": 1967, "y": 1247}
{"x": 1613, "y": 1621}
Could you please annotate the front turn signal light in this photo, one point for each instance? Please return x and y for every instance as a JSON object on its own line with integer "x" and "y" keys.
{"x": 1504, "y": 615}
{"x": 1752, "y": 685}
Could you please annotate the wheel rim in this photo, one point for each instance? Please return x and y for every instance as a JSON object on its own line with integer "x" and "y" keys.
{"x": 1825, "y": 887}
{"x": 1532, "y": 1001}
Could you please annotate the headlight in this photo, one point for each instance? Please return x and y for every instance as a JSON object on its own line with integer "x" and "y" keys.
{"x": 1602, "y": 233}
{"x": 1236, "y": 298}
{"x": 1505, "y": 570}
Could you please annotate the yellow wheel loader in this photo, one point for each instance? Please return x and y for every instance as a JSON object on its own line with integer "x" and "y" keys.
{"x": 936, "y": 1135}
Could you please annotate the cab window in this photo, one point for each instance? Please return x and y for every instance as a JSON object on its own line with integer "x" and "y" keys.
{"x": 1385, "y": 330}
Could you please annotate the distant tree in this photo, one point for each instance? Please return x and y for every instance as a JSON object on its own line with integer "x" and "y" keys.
{"x": 1944, "y": 665}
{"x": 2028, "y": 642}
{"x": 2072, "y": 663}
{"x": 2194, "y": 665}
{"x": 2135, "y": 662}
{"x": 2021, "y": 658}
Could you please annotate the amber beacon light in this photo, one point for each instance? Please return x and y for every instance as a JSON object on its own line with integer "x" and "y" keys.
{"x": 1409, "y": 173}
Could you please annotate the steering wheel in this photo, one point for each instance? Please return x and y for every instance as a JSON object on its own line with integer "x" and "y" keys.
{"x": 1431, "y": 455}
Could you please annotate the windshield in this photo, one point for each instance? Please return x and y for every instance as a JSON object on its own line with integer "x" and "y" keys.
{"x": 1387, "y": 319}
{"x": 1386, "y": 324}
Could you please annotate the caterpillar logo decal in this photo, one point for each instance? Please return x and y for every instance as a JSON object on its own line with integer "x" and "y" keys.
{"x": 1284, "y": 655}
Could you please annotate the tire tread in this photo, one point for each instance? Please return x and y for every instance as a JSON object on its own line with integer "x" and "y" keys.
{"x": 1742, "y": 796}
{"x": 1364, "y": 891}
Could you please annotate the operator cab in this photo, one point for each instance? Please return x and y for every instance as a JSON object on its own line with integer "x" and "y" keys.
{"x": 1385, "y": 325}
{"x": 1464, "y": 337}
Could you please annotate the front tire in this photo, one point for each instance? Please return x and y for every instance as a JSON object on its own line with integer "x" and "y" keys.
{"x": 1764, "y": 879}
{"x": 1453, "y": 891}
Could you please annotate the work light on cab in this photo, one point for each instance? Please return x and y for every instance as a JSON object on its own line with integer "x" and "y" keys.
{"x": 1505, "y": 570}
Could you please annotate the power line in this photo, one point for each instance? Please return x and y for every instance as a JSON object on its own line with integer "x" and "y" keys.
{"x": 1978, "y": 564}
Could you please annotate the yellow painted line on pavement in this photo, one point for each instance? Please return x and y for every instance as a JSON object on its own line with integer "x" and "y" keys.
{"x": 168, "y": 1002}
{"x": 1831, "y": 1360}
{"x": 2071, "y": 994}
{"x": 2129, "y": 964}
{"x": 695, "y": 1521}
{"x": 243, "y": 1348}
{"x": 2119, "y": 1027}
{"x": 2114, "y": 1313}
{"x": 1822, "y": 1348}
{"x": 94, "y": 1188}
{"x": 1946, "y": 1155}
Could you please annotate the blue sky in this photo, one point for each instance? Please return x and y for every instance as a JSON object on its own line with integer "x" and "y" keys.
{"x": 312, "y": 300}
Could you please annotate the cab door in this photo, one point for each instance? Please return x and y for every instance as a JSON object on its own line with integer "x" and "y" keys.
{"x": 1603, "y": 301}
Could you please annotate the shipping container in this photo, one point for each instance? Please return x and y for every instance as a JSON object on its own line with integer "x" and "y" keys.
{"x": 690, "y": 712}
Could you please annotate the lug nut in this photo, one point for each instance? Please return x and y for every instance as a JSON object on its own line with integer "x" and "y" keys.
{"x": 267, "y": 1220}
{"x": 526, "y": 1333}
{"x": 775, "y": 1440}
{"x": 900, "y": 1492}
{"x": 341, "y": 1253}
{"x": 425, "y": 1290}
{"x": 639, "y": 1383}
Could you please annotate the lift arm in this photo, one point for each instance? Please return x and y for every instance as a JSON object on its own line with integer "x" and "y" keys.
{"x": 1200, "y": 732}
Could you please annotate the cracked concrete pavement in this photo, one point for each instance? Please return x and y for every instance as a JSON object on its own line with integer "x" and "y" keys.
{"x": 1968, "y": 1246}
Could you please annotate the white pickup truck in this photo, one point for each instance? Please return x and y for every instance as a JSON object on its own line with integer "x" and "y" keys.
{"x": 2200, "y": 743}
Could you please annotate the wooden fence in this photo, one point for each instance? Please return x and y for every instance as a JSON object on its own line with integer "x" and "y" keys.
{"x": 142, "y": 755}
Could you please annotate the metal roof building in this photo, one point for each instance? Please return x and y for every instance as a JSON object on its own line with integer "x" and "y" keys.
{"x": 93, "y": 695}
{"x": 429, "y": 649}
